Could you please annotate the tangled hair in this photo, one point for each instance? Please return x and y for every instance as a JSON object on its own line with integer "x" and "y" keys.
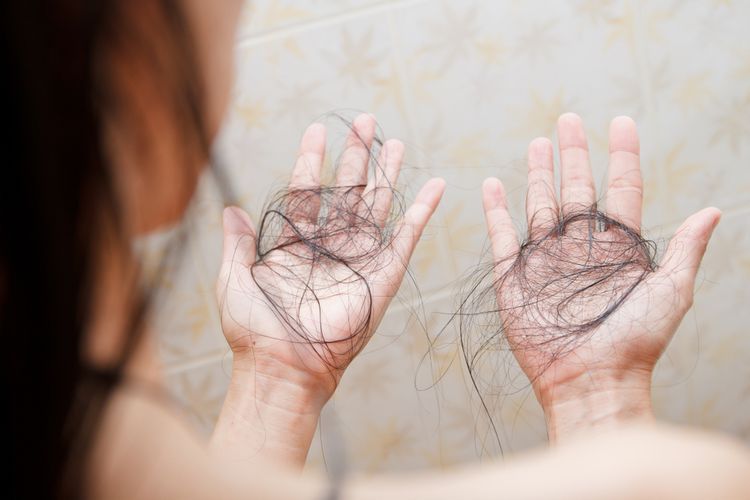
{"x": 550, "y": 297}
{"x": 328, "y": 244}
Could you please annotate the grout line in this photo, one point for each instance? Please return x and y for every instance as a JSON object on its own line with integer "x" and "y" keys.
{"x": 430, "y": 297}
{"x": 729, "y": 212}
{"x": 252, "y": 40}
{"x": 194, "y": 363}
{"x": 735, "y": 210}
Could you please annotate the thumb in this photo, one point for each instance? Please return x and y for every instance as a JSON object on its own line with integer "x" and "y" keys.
{"x": 686, "y": 248}
{"x": 239, "y": 238}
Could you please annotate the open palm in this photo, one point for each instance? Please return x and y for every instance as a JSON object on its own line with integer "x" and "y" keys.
{"x": 583, "y": 300}
{"x": 307, "y": 291}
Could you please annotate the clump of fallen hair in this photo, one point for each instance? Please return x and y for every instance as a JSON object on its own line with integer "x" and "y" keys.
{"x": 550, "y": 297}
{"x": 321, "y": 245}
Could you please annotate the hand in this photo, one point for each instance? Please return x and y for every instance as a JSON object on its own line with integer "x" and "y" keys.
{"x": 584, "y": 309}
{"x": 301, "y": 299}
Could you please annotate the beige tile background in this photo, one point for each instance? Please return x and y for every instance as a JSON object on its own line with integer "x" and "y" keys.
{"x": 466, "y": 84}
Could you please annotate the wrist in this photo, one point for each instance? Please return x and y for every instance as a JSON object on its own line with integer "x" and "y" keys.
{"x": 268, "y": 414}
{"x": 596, "y": 401}
{"x": 279, "y": 385}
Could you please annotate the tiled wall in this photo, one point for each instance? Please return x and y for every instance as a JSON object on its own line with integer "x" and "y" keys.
{"x": 466, "y": 84}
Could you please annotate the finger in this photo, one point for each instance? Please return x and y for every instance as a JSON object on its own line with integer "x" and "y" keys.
{"x": 305, "y": 182}
{"x": 416, "y": 217}
{"x": 541, "y": 202}
{"x": 500, "y": 226}
{"x": 352, "y": 168}
{"x": 239, "y": 245}
{"x": 239, "y": 236}
{"x": 625, "y": 186}
{"x": 576, "y": 181}
{"x": 379, "y": 191}
{"x": 685, "y": 251}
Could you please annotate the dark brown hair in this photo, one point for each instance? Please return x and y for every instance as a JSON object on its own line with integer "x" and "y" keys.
{"x": 57, "y": 199}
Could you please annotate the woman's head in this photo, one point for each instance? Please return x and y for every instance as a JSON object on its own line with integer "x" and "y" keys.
{"x": 166, "y": 67}
{"x": 112, "y": 106}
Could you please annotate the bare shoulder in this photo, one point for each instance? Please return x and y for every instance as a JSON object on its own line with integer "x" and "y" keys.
{"x": 144, "y": 450}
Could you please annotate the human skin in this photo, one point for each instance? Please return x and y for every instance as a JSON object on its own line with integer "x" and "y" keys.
{"x": 142, "y": 449}
{"x": 605, "y": 379}
{"x": 279, "y": 382}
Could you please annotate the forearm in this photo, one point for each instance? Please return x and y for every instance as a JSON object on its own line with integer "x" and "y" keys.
{"x": 266, "y": 416}
{"x": 634, "y": 462}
